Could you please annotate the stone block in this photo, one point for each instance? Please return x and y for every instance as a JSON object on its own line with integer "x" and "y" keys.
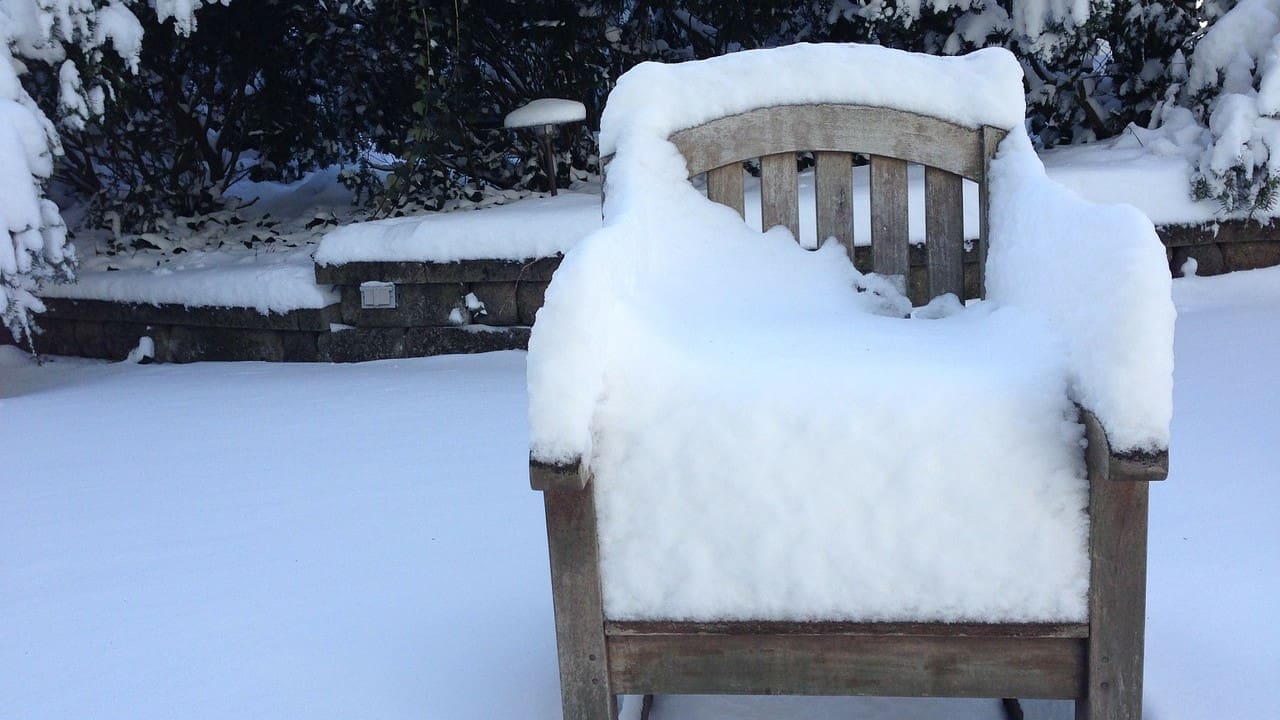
{"x": 362, "y": 344}
{"x": 194, "y": 344}
{"x": 55, "y": 337}
{"x": 91, "y": 336}
{"x": 301, "y": 346}
{"x": 1209, "y": 259}
{"x": 529, "y": 298}
{"x": 1251, "y": 255}
{"x": 416, "y": 305}
{"x": 426, "y": 342}
{"x": 500, "y": 303}
{"x": 120, "y": 338}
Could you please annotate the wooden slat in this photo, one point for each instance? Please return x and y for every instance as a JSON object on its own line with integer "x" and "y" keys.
{"x": 833, "y": 181}
{"x": 779, "y": 201}
{"x": 990, "y": 140}
{"x": 919, "y": 629}
{"x": 847, "y": 665}
{"x": 575, "y": 582}
{"x": 944, "y": 231}
{"x": 1117, "y": 590}
{"x": 889, "y": 240}
{"x": 725, "y": 186}
{"x": 1121, "y": 466}
{"x": 840, "y": 128}
{"x": 552, "y": 476}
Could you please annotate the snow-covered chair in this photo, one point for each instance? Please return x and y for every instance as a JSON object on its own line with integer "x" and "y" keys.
{"x": 760, "y": 477}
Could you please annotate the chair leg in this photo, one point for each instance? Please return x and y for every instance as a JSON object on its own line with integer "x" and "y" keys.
{"x": 575, "y": 587}
{"x": 1117, "y": 600}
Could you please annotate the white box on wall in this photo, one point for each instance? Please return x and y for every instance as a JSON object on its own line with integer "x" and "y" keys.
{"x": 375, "y": 294}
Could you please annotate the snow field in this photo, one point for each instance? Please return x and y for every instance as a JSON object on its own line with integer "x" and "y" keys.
{"x": 215, "y": 540}
{"x": 272, "y": 541}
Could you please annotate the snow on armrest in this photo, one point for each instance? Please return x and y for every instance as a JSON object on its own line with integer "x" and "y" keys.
{"x": 566, "y": 348}
{"x": 1099, "y": 274}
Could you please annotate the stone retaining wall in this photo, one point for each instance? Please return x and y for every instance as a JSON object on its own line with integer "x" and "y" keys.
{"x": 1222, "y": 247}
{"x": 433, "y": 316}
{"x": 109, "y": 330}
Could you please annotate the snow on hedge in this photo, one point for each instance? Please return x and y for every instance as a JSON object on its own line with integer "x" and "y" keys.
{"x": 65, "y": 36}
{"x": 530, "y": 228}
{"x": 33, "y": 238}
{"x": 757, "y": 429}
{"x": 1233, "y": 84}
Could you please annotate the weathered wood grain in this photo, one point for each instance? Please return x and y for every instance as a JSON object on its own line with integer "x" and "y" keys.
{"x": 556, "y": 476}
{"x": 725, "y": 186}
{"x": 847, "y": 665}
{"x": 1117, "y": 589}
{"x": 575, "y": 582}
{"x": 944, "y": 231}
{"x": 833, "y": 188}
{"x": 889, "y": 239}
{"x": 918, "y": 629}
{"x": 989, "y": 140}
{"x": 841, "y": 128}
{"x": 779, "y": 201}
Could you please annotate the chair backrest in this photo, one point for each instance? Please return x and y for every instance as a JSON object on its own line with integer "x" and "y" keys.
{"x": 834, "y": 133}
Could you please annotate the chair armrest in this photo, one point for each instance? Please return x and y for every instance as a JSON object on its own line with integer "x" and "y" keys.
{"x": 1105, "y": 464}
{"x": 557, "y": 476}
{"x": 1099, "y": 276}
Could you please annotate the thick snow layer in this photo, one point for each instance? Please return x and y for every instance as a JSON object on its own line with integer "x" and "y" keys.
{"x": 687, "y": 360}
{"x": 1099, "y": 275}
{"x": 697, "y": 385}
{"x": 266, "y": 281}
{"x": 530, "y": 228}
{"x": 248, "y": 566}
{"x": 546, "y": 111}
{"x": 655, "y": 99}
{"x": 733, "y": 480}
{"x": 1148, "y": 169}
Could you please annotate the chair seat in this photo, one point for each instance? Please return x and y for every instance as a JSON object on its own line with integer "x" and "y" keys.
{"x": 841, "y": 466}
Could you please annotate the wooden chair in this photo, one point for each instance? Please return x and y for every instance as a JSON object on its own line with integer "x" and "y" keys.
{"x": 1099, "y": 664}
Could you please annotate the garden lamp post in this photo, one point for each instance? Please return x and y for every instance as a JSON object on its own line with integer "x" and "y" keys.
{"x": 543, "y": 115}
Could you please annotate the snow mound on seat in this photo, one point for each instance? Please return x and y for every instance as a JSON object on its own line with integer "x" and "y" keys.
{"x": 765, "y": 446}
{"x": 779, "y": 475}
{"x": 756, "y": 434}
{"x": 655, "y": 99}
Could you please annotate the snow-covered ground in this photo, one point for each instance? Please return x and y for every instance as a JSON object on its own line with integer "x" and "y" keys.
{"x": 335, "y": 541}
